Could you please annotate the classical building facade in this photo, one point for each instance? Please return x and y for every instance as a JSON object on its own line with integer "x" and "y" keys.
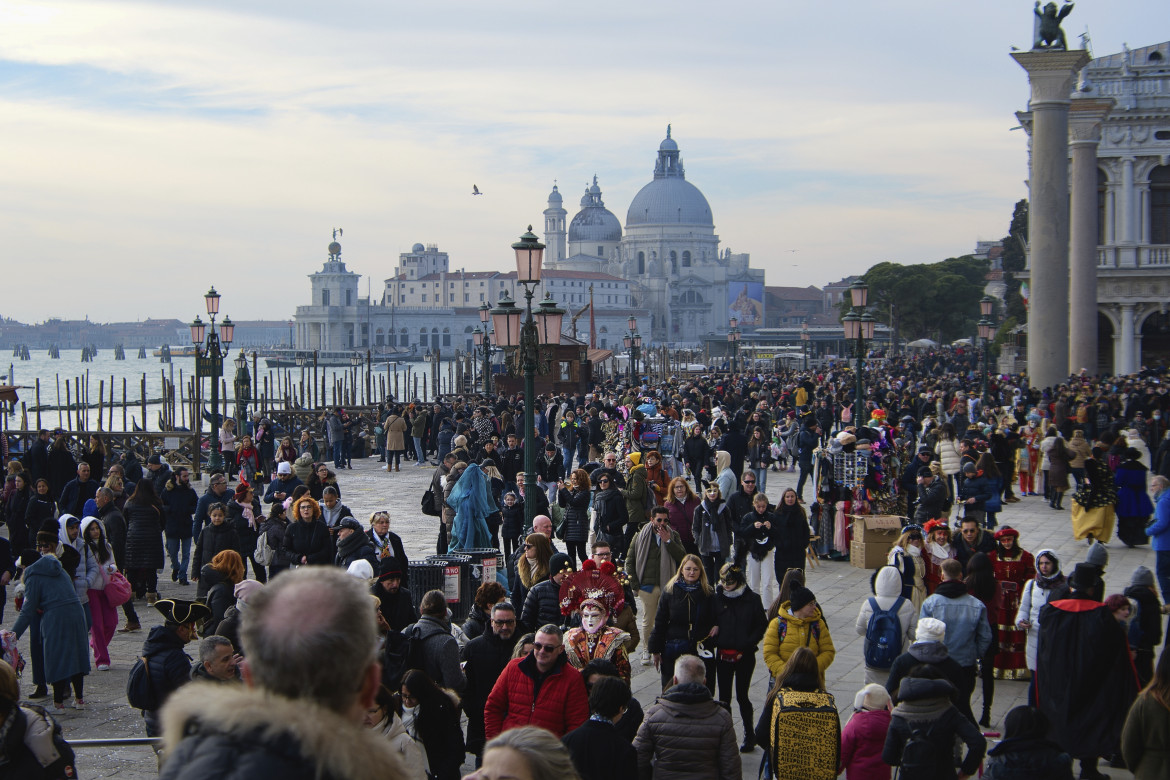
{"x": 668, "y": 253}
{"x": 1133, "y": 206}
{"x": 425, "y": 305}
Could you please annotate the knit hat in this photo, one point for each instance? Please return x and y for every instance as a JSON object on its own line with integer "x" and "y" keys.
{"x": 284, "y": 467}
{"x": 47, "y": 537}
{"x": 925, "y": 472}
{"x": 930, "y": 630}
{"x": 800, "y": 598}
{"x": 557, "y": 563}
{"x": 871, "y": 697}
{"x": 635, "y": 458}
{"x": 245, "y": 588}
{"x": 154, "y": 460}
{"x": 1098, "y": 555}
{"x": 389, "y": 567}
{"x": 1141, "y": 576}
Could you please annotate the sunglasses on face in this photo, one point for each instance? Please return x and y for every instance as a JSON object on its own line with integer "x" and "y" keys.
{"x": 504, "y": 622}
{"x": 538, "y": 647}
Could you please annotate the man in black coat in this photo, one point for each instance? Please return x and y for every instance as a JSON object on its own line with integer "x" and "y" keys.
{"x": 908, "y": 480}
{"x": 484, "y": 658}
{"x": 395, "y": 602}
{"x": 179, "y": 501}
{"x": 735, "y": 443}
{"x": 284, "y": 484}
{"x": 972, "y": 539}
{"x": 168, "y": 664}
{"x": 598, "y": 750}
{"x": 353, "y": 545}
{"x": 739, "y": 505}
{"x": 216, "y": 494}
{"x": 38, "y": 457}
{"x": 77, "y": 491}
{"x": 1085, "y": 680}
{"x": 160, "y": 473}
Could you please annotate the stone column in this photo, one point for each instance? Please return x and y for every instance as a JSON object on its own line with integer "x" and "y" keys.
{"x": 1051, "y": 75}
{"x": 1126, "y": 362}
{"x": 1085, "y": 117}
{"x": 1127, "y": 252}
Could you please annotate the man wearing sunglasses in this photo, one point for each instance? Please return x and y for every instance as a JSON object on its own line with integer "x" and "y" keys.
{"x": 540, "y": 689}
{"x": 484, "y": 659}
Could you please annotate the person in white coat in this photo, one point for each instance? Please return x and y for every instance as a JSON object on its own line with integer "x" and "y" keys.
{"x": 386, "y": 717}
{"x": 887, "y": 588}
{"x": 1037, "y": 592}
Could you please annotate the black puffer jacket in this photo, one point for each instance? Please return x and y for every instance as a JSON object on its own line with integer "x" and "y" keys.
{"x": 576, "y": 505}
{"x": 179, "y": 505}
{"x": 213, "y": 539}
{"x": 542, "y": 606}
{"x": 144, "y": 542}
{"x": 484, "y": 659}
{"x": 612, "y": 515}
{"x": 244, "y": 531}
{"x": 220, "y": 596}
{"x": 944, "y": 722}
{"x": 682, "y": 615}
{"x": 741, "y": 619}
{"x": 40, "y": 509}
{"x": 170, "y": 669}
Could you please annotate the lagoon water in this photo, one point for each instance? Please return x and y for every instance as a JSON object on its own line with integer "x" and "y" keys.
{"x": 54, "y": 373}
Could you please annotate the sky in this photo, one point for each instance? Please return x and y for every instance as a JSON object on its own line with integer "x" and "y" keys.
{"x": 149, "y": 150}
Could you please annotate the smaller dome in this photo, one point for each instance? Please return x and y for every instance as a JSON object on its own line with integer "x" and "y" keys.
{"x": 417, "y": 248}
{"x": 554, "y": 196}
{"x": 335, "y": 248}
{"x": 668, "y": 144}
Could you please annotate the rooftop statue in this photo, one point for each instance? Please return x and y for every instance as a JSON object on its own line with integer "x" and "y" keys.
{"x": 1048, "y": 34}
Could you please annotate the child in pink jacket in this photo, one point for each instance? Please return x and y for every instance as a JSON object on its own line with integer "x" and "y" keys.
{"x": 864, "y": 736}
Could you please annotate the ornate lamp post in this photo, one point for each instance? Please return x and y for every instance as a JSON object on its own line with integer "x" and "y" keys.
{"x": 987, "y": 333}
{"x": 804, "y": 337}
{"x": 733, "y": 335}
{"x": 859, "y": 324}
{"x": 209, "y": 357}
{"x": 243, "y": 388}
{"x": 525, "y": 340}
{"x": 484, "y": 313}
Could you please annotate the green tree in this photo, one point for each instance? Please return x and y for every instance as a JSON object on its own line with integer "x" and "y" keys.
{"x": 1014, "y": 260}
{"x": 933, "y": 300}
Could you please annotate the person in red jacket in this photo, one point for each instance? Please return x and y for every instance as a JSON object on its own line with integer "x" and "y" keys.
{"x": 540, "y": 689}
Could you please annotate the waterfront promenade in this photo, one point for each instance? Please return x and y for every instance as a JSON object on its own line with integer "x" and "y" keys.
{"x": 839, "y": 588}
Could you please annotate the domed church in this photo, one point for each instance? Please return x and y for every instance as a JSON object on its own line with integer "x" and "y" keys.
{"x": 669, "y": 252}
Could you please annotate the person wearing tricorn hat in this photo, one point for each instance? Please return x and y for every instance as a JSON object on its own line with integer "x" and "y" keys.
{"x": 167, "y": 663}
{"x": 1085, "y": 680}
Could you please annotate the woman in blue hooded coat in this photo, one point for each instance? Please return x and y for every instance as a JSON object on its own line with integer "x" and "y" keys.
{"x": 471, "y": 498}
{"x": 1134, "y": 506}
{"x": 49, "y": 596}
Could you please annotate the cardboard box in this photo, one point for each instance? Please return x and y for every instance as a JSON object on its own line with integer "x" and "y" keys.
{"x": 877, "y": 528}
{"x": 869, "y": 555}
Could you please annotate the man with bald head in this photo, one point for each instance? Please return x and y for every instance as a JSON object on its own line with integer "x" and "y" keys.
{"x": 310, "y": 676}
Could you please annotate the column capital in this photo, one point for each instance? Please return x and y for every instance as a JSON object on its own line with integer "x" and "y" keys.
{"x": 1051, "y": 73}
{"x": 1085, "y": 116}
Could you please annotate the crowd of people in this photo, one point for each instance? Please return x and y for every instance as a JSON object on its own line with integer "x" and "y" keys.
{"x": 651, "y": 499}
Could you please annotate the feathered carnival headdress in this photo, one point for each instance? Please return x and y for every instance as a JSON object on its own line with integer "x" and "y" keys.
{"x": 594, "y": 584}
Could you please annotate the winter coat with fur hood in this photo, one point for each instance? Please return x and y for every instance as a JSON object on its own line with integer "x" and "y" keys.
{"x": 233, "y": 732}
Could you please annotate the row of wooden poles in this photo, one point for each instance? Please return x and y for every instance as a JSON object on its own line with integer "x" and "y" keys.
{"x": 181, "y": 400}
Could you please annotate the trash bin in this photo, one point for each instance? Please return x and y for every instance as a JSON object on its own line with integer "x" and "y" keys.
{"x": 457, "y": 586}
{"x": 485, "y": 563}
{"x": 425, "y": 576}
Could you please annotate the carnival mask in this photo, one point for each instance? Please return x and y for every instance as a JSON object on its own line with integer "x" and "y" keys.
{"x": 592, "y": 618}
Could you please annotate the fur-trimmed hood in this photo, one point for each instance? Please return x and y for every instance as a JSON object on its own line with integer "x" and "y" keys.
{"x": 245, "y": 720}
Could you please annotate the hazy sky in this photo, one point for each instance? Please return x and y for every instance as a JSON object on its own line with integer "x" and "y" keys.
{"x": 150, "y": 149}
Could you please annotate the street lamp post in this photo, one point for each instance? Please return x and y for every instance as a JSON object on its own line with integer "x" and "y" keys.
{"x": 355, "y": 360}
{"x": 733, "y": 335}
{"x": 209, "y": 355}
{"x": 804, "y": 337}
{"x": 859, "y": 325}
{"x": 484, "y": 313}
{"x": 526, "y": 339}
{"x": 243, "y": 388}
{"x": 987, "y": 333}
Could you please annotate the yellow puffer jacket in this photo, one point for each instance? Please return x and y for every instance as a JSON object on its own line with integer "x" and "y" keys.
{"x": 788, "y": 632}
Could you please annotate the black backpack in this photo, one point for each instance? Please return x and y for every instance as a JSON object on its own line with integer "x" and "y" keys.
{"x": 140, "y": 690}
{"x": 402, "y": 652}
{"x": 429, "y": 505}
{"x": 920, "y": 755}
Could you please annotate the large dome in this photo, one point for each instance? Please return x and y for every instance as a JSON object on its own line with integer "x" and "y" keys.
{"x": 670, "y": 199}
{"x": 594, "y": 222}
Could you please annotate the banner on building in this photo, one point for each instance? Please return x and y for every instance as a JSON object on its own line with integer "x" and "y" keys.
{"x": 745, "y": 300}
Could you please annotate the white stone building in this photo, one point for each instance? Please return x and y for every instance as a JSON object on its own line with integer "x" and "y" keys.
{"x": 669, "y": 253}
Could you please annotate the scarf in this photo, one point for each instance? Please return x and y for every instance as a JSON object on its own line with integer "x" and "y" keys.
{"x": 734, "y": 594}
{"x": 686, "y": 587}
{"x": 922, "y": 709}
{"x": 380, "y": 544}
{"x": 248, "y": 514}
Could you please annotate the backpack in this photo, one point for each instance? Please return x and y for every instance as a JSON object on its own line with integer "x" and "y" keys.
{"x": 805, "y": 732}
{"x": 429, "y": 506}
{"x": 264, "y": 554}
{"x": 883, "y": 635}
{"x": 140, "y": 690}
{"x": 920, "y": 756}
{"x": 402, "y": 652}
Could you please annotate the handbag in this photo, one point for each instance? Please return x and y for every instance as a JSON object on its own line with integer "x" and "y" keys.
{"x": 429, "y": 506}
{"x": 117, "y": 589}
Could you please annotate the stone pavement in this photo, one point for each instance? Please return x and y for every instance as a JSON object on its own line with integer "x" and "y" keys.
{"x": 840, "y": 589}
